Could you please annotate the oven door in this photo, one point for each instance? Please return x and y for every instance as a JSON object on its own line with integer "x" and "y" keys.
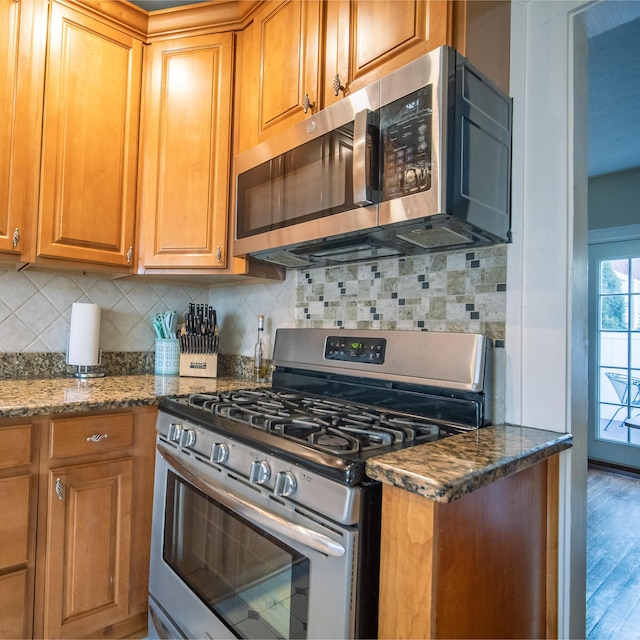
{"x": 228, "y": 561}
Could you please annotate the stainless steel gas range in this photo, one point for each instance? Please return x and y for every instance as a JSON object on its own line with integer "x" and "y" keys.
{"x": 265, "y": 524}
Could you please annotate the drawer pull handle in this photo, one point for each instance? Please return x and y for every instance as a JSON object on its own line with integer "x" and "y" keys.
{"x": 59, "y": 489}
{"x": 97, "y": 437}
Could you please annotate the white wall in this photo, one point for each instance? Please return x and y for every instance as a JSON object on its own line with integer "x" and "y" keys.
{"x": 614, "y": 199}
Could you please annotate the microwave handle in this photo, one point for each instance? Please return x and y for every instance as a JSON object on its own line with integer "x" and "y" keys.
{"x": 362, "y": 195}
{"x": 254, "y": 513}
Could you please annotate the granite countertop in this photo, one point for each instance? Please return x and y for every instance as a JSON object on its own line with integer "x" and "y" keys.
{"x": 43, "y": 396}
{"x": 442, "y": 471}
{"x": 450, "y": 468}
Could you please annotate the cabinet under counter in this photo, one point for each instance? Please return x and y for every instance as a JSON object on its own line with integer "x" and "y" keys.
{"x": 469, "y": 540}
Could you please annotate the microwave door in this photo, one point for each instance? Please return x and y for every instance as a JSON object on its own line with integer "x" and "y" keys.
{"x": 260, "y": 195}
{"x": 317, "y": 177}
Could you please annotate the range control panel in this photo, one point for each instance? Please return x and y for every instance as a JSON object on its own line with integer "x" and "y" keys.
{"x": 354, "y": 349}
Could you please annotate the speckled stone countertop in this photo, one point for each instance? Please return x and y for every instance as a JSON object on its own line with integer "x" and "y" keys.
{"x": 441, "y": 471}
{"x": 30, "y": 397}
{"x": 450, "y": 468}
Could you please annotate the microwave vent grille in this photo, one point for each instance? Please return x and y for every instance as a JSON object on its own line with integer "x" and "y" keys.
{"x": 431, "y": 238}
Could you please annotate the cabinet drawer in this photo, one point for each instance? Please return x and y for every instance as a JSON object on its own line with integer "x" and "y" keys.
{"x": 14, "y": 521}
{"x": 13, "y": 603}
{"x": 15, "y": 446}
{"x": 90, "y": 434}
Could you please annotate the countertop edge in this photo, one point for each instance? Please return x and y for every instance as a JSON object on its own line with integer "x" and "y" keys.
{"x": 24, "y": 398}
{"x": 446, "y": 470}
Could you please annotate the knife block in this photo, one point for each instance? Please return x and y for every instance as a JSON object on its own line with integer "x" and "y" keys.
{"x": 199, "y": 365}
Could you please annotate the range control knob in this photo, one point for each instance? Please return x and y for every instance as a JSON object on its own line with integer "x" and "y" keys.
{"x": 187, "y": 438}
{"x": 260, "y": 472}
{"x": 219, "y": 452}
{"x": 174, "y": 432}
{"x": 285, "y": 484}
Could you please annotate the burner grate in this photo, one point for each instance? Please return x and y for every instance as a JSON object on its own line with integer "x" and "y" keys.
{"x": 339, "y": 427}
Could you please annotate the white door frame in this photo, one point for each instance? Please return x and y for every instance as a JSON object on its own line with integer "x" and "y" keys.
{"x": 546, "y": 324}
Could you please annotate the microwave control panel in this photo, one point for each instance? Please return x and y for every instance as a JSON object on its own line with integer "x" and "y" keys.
{"x": 354, "y": 349}
{"x": 406, "y": 130}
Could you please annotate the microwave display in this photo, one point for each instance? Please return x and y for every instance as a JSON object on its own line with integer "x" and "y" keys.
{"x": 406, "y": 144}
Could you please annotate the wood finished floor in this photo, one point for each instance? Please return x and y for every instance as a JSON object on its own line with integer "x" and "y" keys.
{"x": 613, "y": 556}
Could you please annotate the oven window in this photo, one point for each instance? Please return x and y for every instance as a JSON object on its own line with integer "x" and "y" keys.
{"x": 253, "y": 582}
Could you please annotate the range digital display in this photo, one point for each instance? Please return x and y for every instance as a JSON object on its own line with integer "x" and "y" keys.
{"x": 355, "y": 349}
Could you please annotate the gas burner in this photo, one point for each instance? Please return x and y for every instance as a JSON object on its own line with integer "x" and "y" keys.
{"x": 333, "y": 425}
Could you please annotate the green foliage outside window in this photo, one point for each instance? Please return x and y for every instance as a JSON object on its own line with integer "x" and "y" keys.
{"x": 614, "y": 307}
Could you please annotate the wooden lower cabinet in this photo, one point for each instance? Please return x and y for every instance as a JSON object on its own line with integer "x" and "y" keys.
{"x": 14, "y": 604}
{"x": 95, "y": 525}
{"x": 88, "y": 547}
{"x": 18, "y": 495}
{"x": 483, "y": 566}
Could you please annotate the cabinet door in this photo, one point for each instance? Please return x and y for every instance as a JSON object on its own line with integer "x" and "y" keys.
{"x": 14, "y": 526}
{"x": 20, "y": 96}
{"x": 91, "y": 116}
{"x": 288, "y": 35}
{"x": 14, "y": 614}
{"x": 367, "y": 39}
{"x": 87, "y": 548}
{"x": 185, "y": 157}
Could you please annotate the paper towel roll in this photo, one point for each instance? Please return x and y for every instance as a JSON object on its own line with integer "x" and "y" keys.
{"x": 84, "y": 334}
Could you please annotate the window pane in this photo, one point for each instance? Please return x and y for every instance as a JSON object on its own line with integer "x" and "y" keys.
{"x": 611, "y": 423}
{"x": 634, "y": 394}
{"x": 635, "y": 277}
{"x": 635, "y": 350}
{"x": 614, "y": 276}
{"x": 613, "y": 349}
{"x": 614, "y": 313}
{"x": 635, "y": 312}
{"x": 613, "y": 385}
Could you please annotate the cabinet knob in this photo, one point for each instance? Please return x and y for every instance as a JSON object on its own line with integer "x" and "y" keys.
{"x": 219, "y": 254}
{"x": 16, "y": 237}
{"x": 307, "y": 104}
{"x": 129, "y": 255}
{"x": 337, "y": 85}
{"x": 59, "y": 489}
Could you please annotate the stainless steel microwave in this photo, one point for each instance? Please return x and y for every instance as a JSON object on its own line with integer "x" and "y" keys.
{"x": 419, "y": 161}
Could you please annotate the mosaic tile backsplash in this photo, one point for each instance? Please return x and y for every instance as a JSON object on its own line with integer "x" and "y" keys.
{"x": 437, "y": 292}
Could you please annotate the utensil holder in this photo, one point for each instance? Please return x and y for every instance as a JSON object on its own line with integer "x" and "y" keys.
{"x": 167, "y": 357}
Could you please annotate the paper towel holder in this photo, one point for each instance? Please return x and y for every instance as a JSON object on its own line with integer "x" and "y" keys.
{"x": 82, "y": 340}
{"x": 83, "y": 369}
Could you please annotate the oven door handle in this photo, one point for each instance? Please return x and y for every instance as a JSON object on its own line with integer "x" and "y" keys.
{"x": 257, "y": 515}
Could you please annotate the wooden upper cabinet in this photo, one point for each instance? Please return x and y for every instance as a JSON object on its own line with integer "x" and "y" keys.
{"x": 90, "y": 140}
{"x": 298, "y": 47}
{"x": 287, "y": 37}
{"x": 367, "y": 39}
{"x": 185, "y": 151}
{"x": 21, "y": 70}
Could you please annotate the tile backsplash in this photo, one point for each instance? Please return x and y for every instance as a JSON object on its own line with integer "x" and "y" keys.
{"x": 457, "y": 291}
{"x": 437, "y": 292}
{"x": 35, "y": 310}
